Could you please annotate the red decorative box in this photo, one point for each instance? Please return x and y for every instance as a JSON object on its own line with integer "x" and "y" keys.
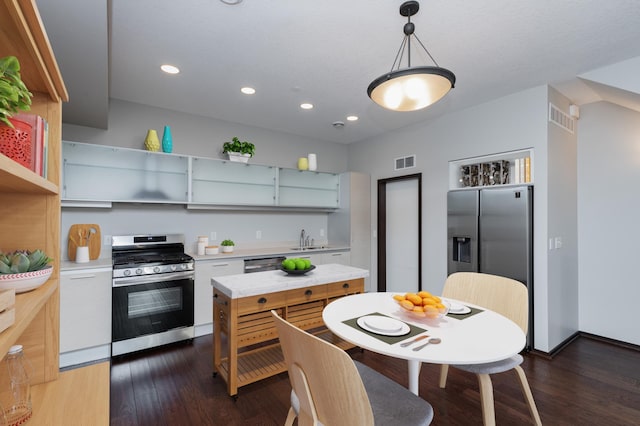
{"x": 17, "y": 143}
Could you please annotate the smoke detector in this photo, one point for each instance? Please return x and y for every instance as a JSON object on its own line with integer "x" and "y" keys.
{"x": 338, "y": 124}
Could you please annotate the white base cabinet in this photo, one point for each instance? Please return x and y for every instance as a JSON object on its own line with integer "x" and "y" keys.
{"x": 340, "y": 257}
{"x": 85, "y": 315}
{"x": 203, "y": 291}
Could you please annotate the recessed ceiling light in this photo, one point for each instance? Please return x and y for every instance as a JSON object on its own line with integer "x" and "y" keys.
{"x": 352, "y": 118}
{"x": 306, "y": 106}
{"x": 170, "y": 69}
{"x": 248, "y": 90}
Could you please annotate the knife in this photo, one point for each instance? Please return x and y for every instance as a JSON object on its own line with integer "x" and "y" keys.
{"x": 417, "y": 339}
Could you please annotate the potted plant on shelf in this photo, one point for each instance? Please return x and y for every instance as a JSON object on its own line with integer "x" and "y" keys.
{"x": 15, "y": 135}
{"x": 227, "y": 246}
{"x": 14, "y": 95}
{"x": 238, "y": 151}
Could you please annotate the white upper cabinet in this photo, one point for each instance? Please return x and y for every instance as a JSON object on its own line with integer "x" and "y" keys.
{"x": 100, "y": 173}
{"x": 97, "y": 175}
{"x": 308, "y": 189}
{"x": 229, "y": 183}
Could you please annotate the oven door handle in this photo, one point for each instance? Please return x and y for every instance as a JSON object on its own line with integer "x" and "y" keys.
{"x": 146, "y": 279}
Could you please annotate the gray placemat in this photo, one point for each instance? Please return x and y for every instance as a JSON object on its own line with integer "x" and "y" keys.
{"x": 353, "y": 322}
{"x": 467, "y": 315}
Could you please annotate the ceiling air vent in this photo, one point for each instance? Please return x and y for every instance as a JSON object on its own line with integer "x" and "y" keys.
{"x": 405, "y": 162}
{"x": 562, "y": 119}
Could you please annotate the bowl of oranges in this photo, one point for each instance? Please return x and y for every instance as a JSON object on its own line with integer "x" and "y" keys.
{"x": 423, "y": 305}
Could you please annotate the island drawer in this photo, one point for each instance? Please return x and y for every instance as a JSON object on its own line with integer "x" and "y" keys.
{"x": 261, "y": 302}
{"x": 343, "y": 288}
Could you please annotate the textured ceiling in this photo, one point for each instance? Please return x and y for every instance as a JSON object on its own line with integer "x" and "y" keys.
{"x": 324, "y": 52}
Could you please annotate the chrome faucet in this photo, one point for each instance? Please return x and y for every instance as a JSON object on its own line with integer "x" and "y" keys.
{"x": 302, "y": 235}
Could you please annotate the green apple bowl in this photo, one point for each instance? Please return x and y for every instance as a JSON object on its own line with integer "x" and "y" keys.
{"x": 298, "y": 271}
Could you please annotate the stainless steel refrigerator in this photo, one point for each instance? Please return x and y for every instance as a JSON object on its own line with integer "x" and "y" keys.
{"x": 490, "y": 230}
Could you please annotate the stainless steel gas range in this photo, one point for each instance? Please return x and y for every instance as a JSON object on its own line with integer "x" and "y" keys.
{"x": 153, "y": 282}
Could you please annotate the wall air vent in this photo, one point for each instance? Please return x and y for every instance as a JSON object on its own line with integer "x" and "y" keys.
{"x": 562, "y": 119}
{"x": 405, "y": 162}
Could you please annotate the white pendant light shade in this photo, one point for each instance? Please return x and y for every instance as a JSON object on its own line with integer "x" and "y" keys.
{"x": 411, "y": 89}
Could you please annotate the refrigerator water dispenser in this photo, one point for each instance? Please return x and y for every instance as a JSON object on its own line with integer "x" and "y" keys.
{"x": 462, "y": 249}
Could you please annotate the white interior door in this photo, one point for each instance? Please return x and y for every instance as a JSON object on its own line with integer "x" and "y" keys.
{"x": 402, "y": 236}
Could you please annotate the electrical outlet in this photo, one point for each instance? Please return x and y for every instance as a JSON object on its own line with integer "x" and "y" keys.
{"x": 322, "y": 232}
{"x": 551, "y": 244}
{"x": 106, "y": 241}
{"x": 558, "y": 242}
{"x": 213, "y": 236}
{"x": 258, "y": 235}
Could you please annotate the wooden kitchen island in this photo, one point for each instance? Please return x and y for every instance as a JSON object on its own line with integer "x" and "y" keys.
{"x": 245, "y": 345}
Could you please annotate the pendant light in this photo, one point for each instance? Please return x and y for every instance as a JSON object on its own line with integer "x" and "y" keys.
{"x": 411, "y": 88}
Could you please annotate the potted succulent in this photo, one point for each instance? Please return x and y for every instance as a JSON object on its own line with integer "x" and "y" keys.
{"x": 227, "y": 246}
{"x": 24, "y": 270}
{"x": 239, "y": 151}
{"x": 14, "y": 95}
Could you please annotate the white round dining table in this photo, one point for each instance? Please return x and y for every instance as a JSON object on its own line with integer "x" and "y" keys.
{"x": 483, "y": 337}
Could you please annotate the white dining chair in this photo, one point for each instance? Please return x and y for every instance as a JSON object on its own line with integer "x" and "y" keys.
{"x": 330, "y": 388}
{"x": 509, "y": 298}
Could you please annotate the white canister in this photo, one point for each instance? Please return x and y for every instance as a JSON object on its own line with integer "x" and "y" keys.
{"x": 203, "y": 242}
{"x": 313, "y": 162}
{"x": 211, "y": 250}
{"x": 82, "y": 254}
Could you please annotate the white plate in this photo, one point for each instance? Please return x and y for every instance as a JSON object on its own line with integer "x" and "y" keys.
{"x": 383, "y": 325}
{"x": 458, "y": 309}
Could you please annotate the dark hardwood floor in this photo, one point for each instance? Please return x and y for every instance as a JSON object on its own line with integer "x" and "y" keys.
{"x": 590, "y": 382}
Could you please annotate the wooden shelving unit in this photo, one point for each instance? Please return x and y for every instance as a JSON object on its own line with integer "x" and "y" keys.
{"x": 30, "y": 219}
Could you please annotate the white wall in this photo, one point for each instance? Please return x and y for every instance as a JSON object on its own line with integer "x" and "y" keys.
{"x": 204, "y": 136}
{"x": 559, "y": 304}
{"x": 608, "y": 206}
{"x": 510, "y": 123}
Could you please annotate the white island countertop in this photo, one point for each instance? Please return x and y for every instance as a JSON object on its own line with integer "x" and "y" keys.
{"x": 243, "y": 285}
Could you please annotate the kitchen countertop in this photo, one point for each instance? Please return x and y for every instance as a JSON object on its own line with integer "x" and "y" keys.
{"x": 243, "y": 285}
{"x": 248, "y": 253}
{"x": 69, "y": 265}
{"x": 257, "y": 253}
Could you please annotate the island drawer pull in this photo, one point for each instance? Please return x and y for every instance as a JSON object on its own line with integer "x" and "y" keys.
{"x": 308, "y": 293}
{"x": 262, "y": 300}
{"x": 345, "y": 286}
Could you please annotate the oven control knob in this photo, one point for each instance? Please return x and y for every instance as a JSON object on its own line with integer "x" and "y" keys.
{"x": 139, "y": 271}
{"x": 156, "y": 269}
{"x": 174, "y": 267}
{"x": 127, "y": 272}
{"x": 183, "y": 266}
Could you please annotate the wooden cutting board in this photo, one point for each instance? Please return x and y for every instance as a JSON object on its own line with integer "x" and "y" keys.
{"x": 85, "y": 234}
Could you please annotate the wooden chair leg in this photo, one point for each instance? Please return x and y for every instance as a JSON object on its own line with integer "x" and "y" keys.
{"x": 444, "y": 371}
{"x": 291, "y": 416}
{"x": 486, "y": 399}
{"x": 528, "y": 396}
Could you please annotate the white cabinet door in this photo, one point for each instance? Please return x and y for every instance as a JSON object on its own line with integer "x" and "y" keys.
{"x": 203, "y": 292}
{"x": 340, "y": 257}
{"x": 85, "y": 309}
{"x": 315, "y": 259}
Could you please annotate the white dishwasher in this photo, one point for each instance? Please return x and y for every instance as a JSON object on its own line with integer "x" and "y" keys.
{"x": 85, "y": 315}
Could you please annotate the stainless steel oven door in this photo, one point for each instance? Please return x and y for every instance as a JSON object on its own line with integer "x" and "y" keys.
{"x": 151, "y": 304}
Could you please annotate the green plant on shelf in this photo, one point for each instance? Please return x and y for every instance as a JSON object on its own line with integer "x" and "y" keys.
{"x": 14, "y": 95}
{"x": 227, "y": 243}
{"x": 239, "y": 147}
